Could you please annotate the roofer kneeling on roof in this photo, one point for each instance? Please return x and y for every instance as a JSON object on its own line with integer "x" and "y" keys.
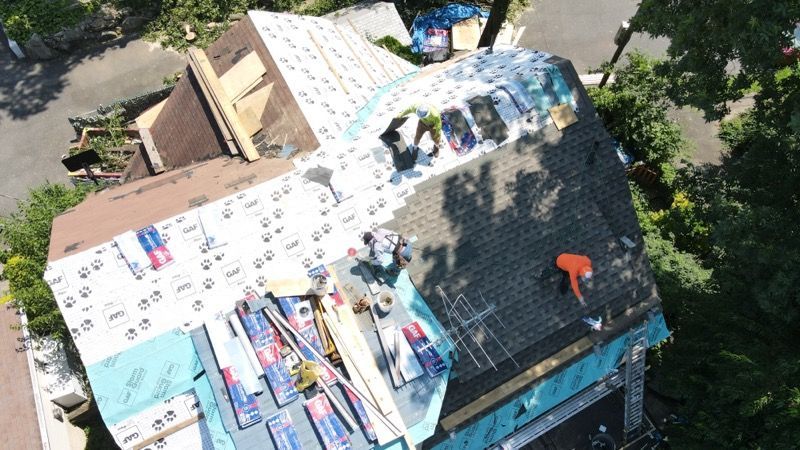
{"x": 384, "y": 243}
{"x": 572, "y": 267}
{"x": 430, "y": 121}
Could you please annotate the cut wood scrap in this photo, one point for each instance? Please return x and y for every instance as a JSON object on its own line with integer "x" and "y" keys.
{"x": 291, "y": 287}
{"x": 466, "y": 34}
{"x": 257, "y": 101}
{"x": 146, "y": 119}
{"x": 520, "y": 381}
{"x": 249, "y": 121}
{"x": 150, "y": 152}
{"x": 563, "y": 115}
{"x": 243, "y": 76}
{"x": 342, "y": 324}
{"x": 220, "y": 98}
{"x": 98, "y": 174}
{"x": 168, "y": 431}
{"x": 246, "y": 90}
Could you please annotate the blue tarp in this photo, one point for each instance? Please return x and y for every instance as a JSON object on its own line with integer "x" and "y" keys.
{"x": 442, "y": 18}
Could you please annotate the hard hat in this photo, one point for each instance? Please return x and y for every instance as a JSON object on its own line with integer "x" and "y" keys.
{"x": 422, "y": 111}
{"x": 587, "y": 275}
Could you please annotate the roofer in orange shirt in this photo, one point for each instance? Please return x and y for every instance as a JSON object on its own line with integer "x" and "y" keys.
{"x": 573, "y": 266}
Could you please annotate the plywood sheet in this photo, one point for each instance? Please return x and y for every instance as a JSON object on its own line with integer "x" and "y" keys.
{"x": 250, "y": 121}
{"x": 563, "y": 115}
{"x": 146, "y": 119}
{"x": 243, "y": 76}
{"x": 466, "y": 34}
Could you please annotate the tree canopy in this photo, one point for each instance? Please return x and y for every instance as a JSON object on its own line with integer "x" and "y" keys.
{"x": 719, "y": 48}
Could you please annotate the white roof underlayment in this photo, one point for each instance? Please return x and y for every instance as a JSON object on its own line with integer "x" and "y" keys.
{"x": 331, "y": 70}
{"x": 277, "y": 229}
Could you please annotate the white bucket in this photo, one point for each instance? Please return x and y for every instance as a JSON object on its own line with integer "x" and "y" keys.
{"x": 386, "y": 301}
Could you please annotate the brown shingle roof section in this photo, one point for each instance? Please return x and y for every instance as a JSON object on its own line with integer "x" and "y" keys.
{"x": 496, "y": 222}
{"x": 282, "y": 117}
{"x": 140, "y": 203}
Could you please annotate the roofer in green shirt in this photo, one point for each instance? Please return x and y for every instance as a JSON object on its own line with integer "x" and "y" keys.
{"x": 430, "y": 121}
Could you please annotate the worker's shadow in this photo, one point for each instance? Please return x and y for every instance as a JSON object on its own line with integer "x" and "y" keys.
{"x": 402, "y": 157}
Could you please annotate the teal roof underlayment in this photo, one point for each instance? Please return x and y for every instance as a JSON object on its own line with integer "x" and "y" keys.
{"x": 550, "y": 392}
{"x": 130, "y": 382}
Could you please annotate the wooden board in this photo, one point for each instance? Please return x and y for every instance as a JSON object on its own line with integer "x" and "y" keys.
{"x": 243, "y": 76}
{"x": 223, "y": 102}
{"x": 513, "y": 385}
{"x": 563, "y": 115}
{"x": 291, "y": 287}
{"x": 256, "y": 101}
{"x": 151, "y": 156}
{"x": 249, "y": 121}
{"x": 466, "y": 34}
{"x": 146, "y": 119}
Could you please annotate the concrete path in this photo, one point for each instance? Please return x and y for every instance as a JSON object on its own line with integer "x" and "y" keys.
{"x": 37, "y": 98}
{"x": 583, "y": 32}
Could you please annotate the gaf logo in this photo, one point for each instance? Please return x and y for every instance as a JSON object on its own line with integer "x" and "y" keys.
{"x": 402, "y": 191}
{"x": 292, "y": 245}
{"x": 233, "y": 272}
{"x": 349, "y": 219}
{"x": 252, "y": 205}
{"x": 56, "y": 280}
{"x": 190, "y": 230}
{"x": 183, "y": 287}
{"x": 115, "y": 315}
{"x": 129, "y": 435}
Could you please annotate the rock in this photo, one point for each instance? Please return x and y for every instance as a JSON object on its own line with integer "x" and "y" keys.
{"x": 105, "y": 18}
{"x": 73, "y": 35}
{"x": 133, "y": 23}
{"x": 35, "y": 48}
{"x": 107, "y": 35}
{"x": 212, "y": 25}
{"x": 235, "y": 16}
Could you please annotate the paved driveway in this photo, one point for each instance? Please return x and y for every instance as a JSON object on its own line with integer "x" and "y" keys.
{"x": 583, "y": 32}
{"x": 37, "y": 98}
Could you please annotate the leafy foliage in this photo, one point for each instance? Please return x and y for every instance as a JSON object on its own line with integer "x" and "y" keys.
{"x": 174, "y": 14}
{"x": 26, "y": 233}
{"x": 396, "y": 47}
{"x": 706, "y": 37}
{"x": 22, "y": 18}
{"x": 634, "y": 109}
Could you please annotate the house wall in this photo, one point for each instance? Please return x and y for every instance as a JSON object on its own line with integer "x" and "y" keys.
{"x": 550, "y": 392}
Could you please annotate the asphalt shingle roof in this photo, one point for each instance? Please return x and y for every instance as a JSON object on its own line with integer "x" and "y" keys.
{"x": 493, "y": 224}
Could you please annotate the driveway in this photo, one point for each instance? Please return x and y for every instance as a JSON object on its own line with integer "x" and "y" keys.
{"x": 37, "y": 97}
{"x": 583, "y": 32}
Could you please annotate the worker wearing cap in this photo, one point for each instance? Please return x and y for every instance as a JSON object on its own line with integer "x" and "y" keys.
{"x": 430, "y": 121}
{"x": 574, "y": 266}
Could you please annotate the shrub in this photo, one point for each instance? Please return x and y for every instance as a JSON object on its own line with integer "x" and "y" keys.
{"x": 396, "y": 47}
{"x": 22, "y": 18}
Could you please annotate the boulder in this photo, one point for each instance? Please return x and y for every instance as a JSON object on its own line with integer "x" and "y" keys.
{"x": 105, "y": 18}
{"x": 35, "y": 48}
{"x": 133, "y": 23}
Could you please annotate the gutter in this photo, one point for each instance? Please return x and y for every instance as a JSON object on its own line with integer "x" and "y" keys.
{"x": 37, "y": 398}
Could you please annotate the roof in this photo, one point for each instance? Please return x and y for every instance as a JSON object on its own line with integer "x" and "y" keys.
{"x": 492, "y": 226}
{"x": 105, "y": 214}
{"x": 373, "y": 19}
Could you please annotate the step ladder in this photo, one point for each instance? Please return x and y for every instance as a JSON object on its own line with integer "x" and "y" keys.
{"x": 634, "y": 379}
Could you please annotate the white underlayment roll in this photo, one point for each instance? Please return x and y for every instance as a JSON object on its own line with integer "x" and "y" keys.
{"x": 247, "y": 376}
{"x": 246, "y": 344}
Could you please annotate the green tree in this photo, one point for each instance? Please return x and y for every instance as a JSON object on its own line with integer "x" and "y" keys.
{"x": 708, "y": 38}
{"x": 26, "y": 236}
{"x": 634, "y": 110}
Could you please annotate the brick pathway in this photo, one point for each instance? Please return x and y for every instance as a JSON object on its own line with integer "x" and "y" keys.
{"x": 18, "y": 413}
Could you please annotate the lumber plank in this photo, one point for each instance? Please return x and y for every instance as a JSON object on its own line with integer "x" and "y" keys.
{"x": 212, "y": 105}
{"x": 246, "y": 90}
{"x": 563, "y": 115}
{"x": 369, "y": 49}
{"x": 226, "y": 107}
{"x": 171, "y": 430}
{"x": 257, "y": 101}
{"x": 510, "y": 387}
{"x": 355, "y": 54}
{"x": 290, "y": 287}
{"x": 328, "y": 62}
{"x": 151, "y": 156}
{"x": 243, "y": 76}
